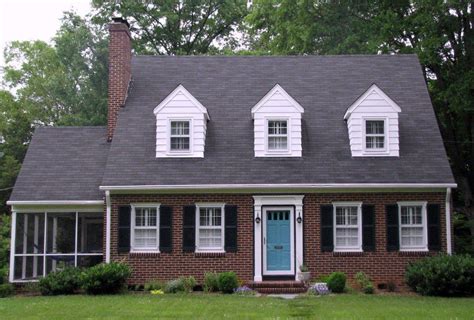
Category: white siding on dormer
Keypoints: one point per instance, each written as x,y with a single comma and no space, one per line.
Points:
181,105
374,104
277,105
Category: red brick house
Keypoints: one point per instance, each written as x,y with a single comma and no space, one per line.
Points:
252,164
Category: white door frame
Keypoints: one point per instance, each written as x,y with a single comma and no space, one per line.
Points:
292,241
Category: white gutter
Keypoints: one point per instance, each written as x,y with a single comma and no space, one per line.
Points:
56,202
281,186
449,248
107,226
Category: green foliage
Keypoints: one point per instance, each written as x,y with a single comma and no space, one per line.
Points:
321,278
364,282
211,282
337,282
228,282
182,284
442,275
6,290
65,281
304,268
154,285
105,278
173,28
5,225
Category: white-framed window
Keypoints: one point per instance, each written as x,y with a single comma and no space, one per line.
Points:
347,226
180,135
277,135
210,227
413,226
145,224
375,135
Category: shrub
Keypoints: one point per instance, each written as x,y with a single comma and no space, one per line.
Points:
364,282
175,286
321,278
211,282
442,275
337,282
228,282
154,285
189,283
6,290
105,278
64,281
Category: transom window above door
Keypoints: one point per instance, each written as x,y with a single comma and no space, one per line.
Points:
277,135
375,135
180,136
347,227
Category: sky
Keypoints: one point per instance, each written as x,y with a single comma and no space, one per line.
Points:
34,19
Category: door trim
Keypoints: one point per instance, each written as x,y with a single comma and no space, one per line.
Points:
292,241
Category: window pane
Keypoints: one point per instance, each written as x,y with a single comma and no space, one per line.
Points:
179,143
210,238
210,217
346,216
145,238
277,127
277,143
405,217
29,233
417,215
90,232
61,232
179,128
347,237
374,127
374,142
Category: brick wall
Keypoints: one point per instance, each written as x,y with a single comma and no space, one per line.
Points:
381,266
120,56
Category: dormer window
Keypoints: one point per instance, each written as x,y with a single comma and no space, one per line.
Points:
277,125
180,136
372,124
277,135
374,135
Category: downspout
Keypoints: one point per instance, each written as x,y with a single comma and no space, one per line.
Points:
12,247
448,221
107,226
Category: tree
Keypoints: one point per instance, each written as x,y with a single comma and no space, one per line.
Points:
440,32
175,27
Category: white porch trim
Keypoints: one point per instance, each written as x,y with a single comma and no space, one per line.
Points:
278,200
449,248
108,214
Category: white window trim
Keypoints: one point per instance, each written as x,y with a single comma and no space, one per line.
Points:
133,249
357,248
380,151
210,205
168,137
288,136
424,223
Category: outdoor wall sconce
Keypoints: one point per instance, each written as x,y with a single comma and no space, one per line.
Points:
299,219
257,219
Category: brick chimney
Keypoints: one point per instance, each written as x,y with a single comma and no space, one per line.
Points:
120,60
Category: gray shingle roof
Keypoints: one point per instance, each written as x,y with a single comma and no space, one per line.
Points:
230,86
63,163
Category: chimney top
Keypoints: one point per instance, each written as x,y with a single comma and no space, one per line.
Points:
121,20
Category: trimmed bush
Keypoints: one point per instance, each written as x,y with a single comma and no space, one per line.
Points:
442,275
64,281
105,278
189,283
211,282
154,285
228,282
337,282
175,286
6,290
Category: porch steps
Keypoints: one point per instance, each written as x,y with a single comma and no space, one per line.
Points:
278,287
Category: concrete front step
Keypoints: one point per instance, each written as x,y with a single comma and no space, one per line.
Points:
278,287
281,290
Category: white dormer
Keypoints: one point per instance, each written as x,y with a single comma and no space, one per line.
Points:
372,122
277,125
181,122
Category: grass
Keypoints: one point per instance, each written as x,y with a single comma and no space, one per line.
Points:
202,306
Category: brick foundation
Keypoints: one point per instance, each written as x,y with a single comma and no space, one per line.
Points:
381,266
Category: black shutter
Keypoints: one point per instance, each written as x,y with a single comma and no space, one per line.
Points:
434,228
327,240
368,228
189,228
124,214
230,228
393,240
166,222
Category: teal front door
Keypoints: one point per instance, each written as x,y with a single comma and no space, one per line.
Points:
278,244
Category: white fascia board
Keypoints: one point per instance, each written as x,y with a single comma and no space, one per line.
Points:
380,92
279,186
187,94
277,88
56,202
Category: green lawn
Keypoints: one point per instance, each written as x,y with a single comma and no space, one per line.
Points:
219,306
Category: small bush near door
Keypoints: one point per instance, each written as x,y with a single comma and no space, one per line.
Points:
64,281
6,290
211,282
337,282
228,282
105,278
364,282
442,275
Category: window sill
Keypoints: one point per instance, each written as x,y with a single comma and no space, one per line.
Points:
354,253
144,253
414,253
209,254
